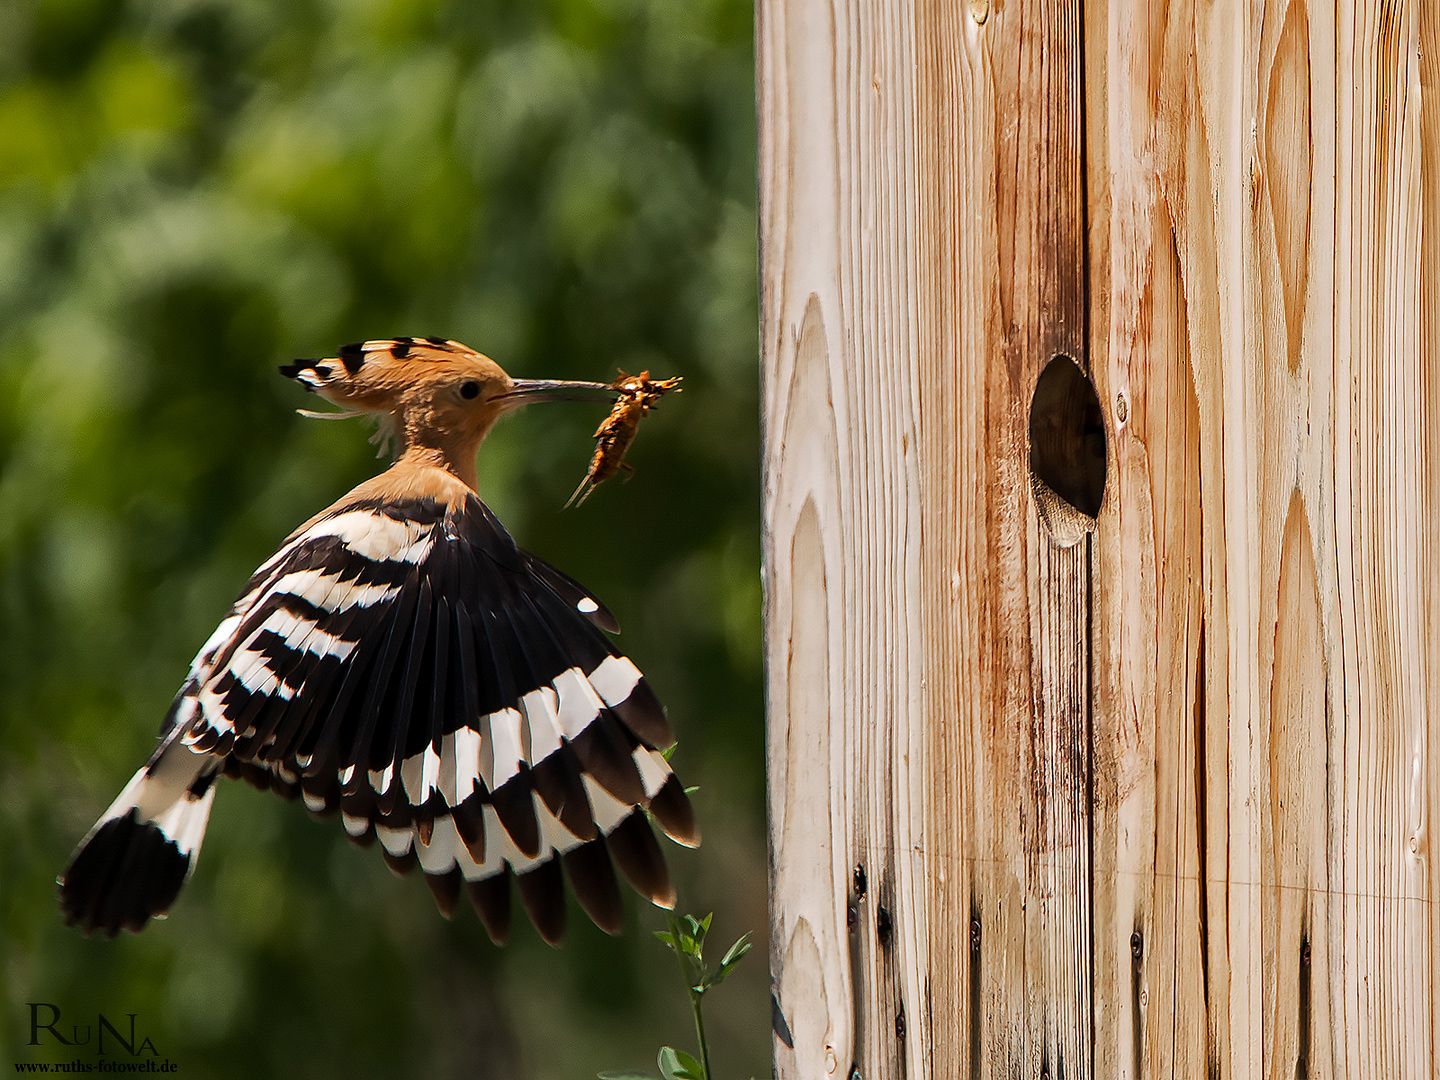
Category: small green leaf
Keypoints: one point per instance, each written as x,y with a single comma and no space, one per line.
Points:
698,928
668,752
734,956
739,949
678,1065
665,936
692,790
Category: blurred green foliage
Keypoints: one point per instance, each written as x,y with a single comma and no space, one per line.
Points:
192,191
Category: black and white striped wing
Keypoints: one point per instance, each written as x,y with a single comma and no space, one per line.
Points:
452,695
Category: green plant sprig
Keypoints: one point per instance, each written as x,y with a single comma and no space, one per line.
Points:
686,939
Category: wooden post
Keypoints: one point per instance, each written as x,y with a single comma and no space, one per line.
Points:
1146,792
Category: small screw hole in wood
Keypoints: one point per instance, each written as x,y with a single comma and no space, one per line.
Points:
1067,438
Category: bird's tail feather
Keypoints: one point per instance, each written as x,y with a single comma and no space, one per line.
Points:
133,863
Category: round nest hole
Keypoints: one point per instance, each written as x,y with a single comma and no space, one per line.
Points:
1067,437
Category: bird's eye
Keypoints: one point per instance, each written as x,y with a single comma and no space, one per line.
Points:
470,389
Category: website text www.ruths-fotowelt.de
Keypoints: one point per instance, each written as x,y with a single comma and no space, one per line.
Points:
106,1067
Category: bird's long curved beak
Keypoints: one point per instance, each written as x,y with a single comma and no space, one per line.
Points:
529,391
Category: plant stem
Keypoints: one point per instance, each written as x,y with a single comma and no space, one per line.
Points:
700,1033
691,978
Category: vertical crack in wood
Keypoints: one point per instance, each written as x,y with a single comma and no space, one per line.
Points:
1201,796
974,966
1081,173
1137,978
862,936
1090,941
1050,319
1302,1054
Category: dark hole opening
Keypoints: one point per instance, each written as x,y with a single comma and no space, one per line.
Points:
1067,436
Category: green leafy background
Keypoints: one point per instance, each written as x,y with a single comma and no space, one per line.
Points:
192,191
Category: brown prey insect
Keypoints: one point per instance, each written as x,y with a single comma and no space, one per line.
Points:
638,393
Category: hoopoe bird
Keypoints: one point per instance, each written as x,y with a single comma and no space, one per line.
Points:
401,660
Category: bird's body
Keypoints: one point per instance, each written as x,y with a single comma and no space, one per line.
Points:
402,661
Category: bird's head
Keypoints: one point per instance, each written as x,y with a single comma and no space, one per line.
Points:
428,392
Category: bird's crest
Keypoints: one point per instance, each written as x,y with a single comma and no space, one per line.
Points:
387,377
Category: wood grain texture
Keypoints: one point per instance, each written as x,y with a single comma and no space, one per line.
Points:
1153,800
